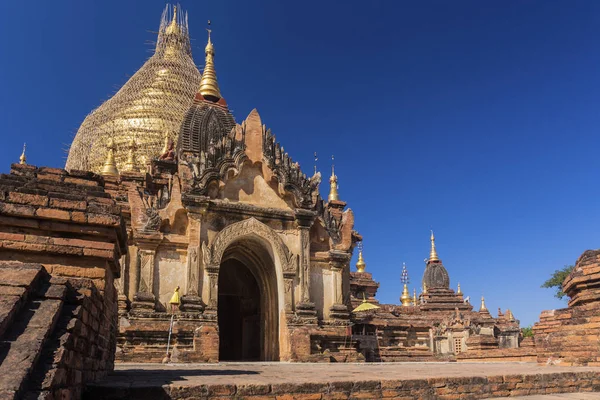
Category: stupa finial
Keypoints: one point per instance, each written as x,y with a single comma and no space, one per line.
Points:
333,183
433,254
209,88
23,158
483,308
360,264
173,26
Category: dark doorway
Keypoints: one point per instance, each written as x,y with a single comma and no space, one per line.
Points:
239,313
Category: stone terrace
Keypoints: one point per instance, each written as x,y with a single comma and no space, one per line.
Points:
341,381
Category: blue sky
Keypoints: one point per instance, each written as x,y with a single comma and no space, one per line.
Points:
477,119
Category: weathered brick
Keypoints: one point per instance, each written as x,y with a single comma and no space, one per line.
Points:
12,236
68,204
17,209
52,213
29,199
103,219
79,181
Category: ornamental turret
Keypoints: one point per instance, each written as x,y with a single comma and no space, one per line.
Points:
208,121
435,275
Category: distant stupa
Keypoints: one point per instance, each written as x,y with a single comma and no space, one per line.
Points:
148,109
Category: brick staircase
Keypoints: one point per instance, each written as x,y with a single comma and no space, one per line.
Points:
29,307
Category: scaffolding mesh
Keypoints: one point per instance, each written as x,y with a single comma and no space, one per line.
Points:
149,107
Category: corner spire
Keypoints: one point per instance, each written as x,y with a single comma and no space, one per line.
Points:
130,164
433,253
483,308
209,88
23,158
333,185
110,168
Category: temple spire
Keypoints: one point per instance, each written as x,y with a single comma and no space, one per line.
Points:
23,158
110,168
483,308
173,27
433,254
333,185
209,88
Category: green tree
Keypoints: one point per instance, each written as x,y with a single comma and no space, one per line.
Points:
557,279
527,331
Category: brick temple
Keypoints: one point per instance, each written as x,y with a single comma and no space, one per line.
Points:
165,195
261,259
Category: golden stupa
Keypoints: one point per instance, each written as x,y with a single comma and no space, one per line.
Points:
150,105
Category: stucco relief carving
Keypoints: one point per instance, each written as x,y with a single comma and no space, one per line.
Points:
289,287
193,271
250,226
146,271
205,255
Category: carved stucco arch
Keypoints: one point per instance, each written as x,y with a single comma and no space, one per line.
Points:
284,261
246,228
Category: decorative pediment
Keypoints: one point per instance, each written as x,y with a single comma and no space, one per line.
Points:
212,156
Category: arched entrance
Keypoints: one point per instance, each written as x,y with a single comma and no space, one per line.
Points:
248,303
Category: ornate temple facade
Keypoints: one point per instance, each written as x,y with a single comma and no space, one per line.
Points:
218,213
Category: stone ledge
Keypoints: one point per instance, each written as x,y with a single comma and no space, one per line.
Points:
232,381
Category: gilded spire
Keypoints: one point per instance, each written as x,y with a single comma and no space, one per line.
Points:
458,291
209,88
414,297
405,298
433,254
333,185
509,315
173,27
109,165
360,264
23,158
483,308
130,164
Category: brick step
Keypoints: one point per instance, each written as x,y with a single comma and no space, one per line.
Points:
23,342
17,284
44,373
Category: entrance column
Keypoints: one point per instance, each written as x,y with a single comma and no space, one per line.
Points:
144,297
338,261
212,275
304,220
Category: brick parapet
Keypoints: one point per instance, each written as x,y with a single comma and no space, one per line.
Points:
47,212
